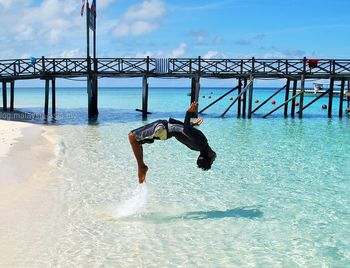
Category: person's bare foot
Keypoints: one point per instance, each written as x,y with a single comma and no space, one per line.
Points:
142,173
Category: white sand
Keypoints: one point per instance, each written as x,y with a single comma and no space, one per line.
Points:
26,197
10,132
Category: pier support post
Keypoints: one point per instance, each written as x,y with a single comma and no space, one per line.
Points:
144,97
239,101
341,99
295,85
53,85
92,97
250,100
244,99
286,97
12,96
47,92
4,96
302,90
347,95
330,99
95,96
195,88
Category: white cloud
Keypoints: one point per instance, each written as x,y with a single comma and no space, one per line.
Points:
139,19
6,3
179,51
102,4
142,27
211,54
148,9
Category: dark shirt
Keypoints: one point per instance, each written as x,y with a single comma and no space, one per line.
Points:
185,133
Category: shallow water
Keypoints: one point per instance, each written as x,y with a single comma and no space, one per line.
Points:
277,195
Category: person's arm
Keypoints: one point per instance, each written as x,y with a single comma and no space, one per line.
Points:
189,114
138,152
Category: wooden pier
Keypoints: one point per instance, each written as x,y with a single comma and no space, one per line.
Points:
243,71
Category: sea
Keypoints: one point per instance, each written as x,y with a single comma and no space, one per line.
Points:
277,194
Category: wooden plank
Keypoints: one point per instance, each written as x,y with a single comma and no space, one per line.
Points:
12,96
295,84
330,99
218,99
286,97
47,87
4,96
341,98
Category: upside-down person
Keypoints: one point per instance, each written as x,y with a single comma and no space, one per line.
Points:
184,132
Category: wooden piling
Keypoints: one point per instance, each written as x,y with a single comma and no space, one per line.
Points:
286,97
244,99
95,96
47,92
250,100
195,88
239,105
53,89
341,98
144,98
302,90
295,85
330,99
4,96
12,96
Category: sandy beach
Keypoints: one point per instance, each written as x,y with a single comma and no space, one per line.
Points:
25,201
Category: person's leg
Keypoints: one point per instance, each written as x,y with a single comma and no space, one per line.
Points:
138,152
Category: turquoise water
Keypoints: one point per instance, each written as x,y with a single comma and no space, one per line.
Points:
277,195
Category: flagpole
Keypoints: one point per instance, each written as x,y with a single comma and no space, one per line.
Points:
87,30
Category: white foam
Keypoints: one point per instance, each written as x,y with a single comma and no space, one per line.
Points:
133,204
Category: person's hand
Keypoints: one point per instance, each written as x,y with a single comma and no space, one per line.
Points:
197,121
193,108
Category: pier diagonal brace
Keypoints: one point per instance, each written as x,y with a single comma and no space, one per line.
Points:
284,103
316,99
238,96
269,98
211,104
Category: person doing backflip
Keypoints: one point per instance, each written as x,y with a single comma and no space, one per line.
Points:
185,132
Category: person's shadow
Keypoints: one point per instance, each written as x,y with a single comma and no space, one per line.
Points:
241,212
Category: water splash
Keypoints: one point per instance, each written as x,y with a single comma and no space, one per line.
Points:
134,204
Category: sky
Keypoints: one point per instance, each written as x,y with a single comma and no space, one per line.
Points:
178,28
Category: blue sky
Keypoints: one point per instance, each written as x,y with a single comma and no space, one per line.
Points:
159,28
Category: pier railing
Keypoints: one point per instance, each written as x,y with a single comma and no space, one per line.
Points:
173,67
